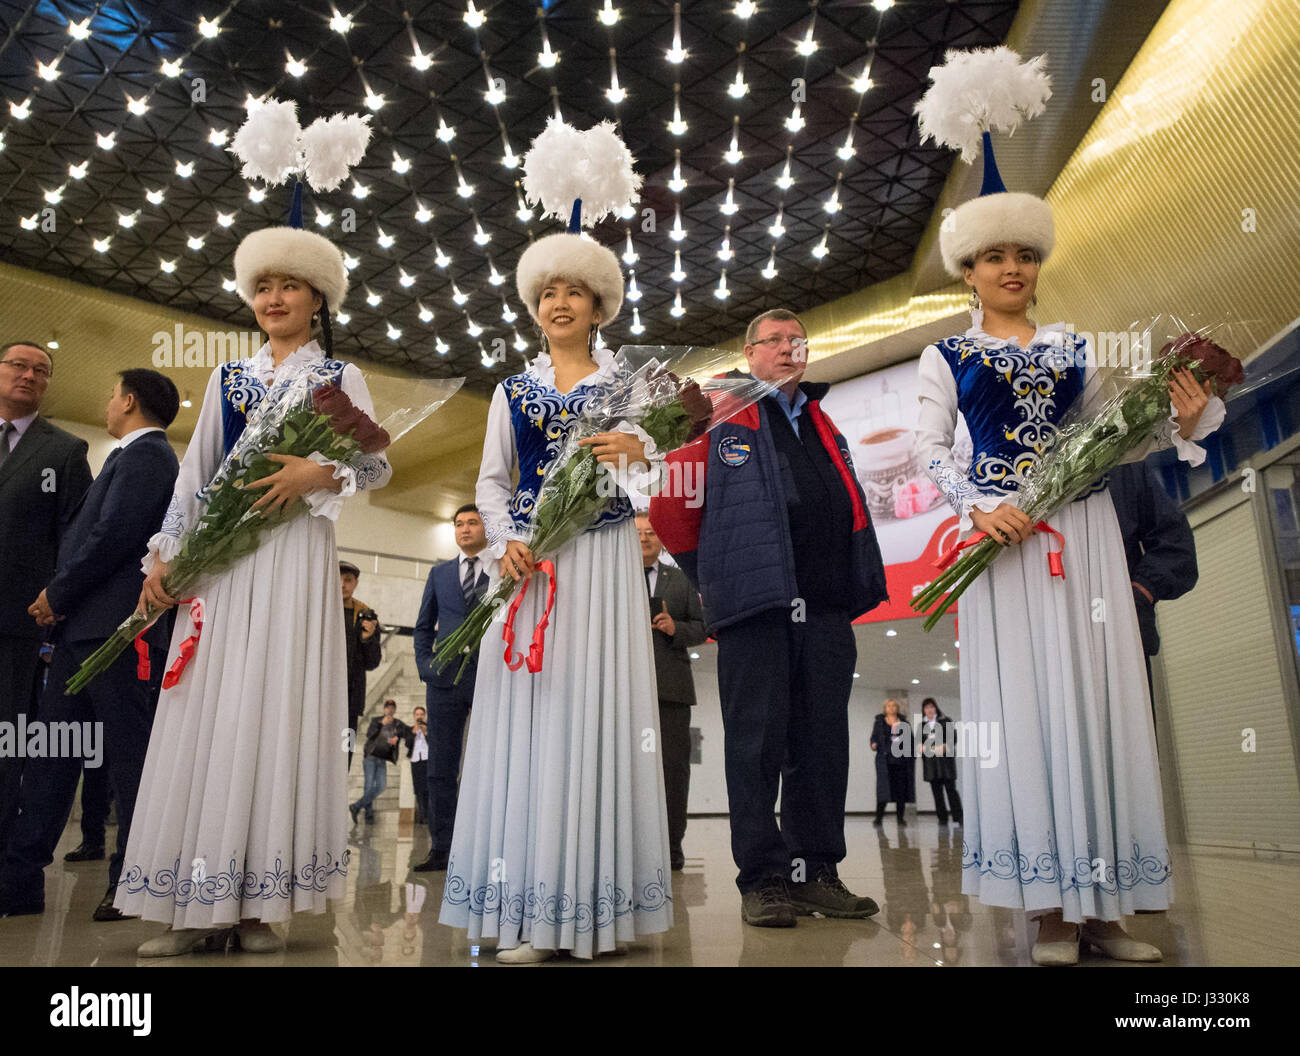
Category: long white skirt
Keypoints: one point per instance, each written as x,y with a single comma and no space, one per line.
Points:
1070,816
561,834
241,809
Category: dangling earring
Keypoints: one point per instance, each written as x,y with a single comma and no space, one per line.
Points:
315,319
974,300
1033,301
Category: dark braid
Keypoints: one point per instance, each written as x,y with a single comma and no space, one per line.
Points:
326,331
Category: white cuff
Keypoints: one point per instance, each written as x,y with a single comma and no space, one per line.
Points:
162,547
638,482
497,550
985,504
1211,418
325,503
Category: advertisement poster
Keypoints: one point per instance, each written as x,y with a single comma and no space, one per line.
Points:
877,414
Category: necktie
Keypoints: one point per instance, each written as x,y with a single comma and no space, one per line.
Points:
648,588
467,584
5,429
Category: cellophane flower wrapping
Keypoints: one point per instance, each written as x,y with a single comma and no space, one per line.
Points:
672,393
302,415
1121,409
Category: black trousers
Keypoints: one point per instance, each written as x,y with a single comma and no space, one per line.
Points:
122,705
20,671
96,798
785,689
420,783
448,709
897,788
947,786
675,748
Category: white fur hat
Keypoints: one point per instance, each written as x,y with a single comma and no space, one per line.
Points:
991,220
576,258
291,251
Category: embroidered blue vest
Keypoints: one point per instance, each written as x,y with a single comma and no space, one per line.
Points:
1012,399
542,419
242,390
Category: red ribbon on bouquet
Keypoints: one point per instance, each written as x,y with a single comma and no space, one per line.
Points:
538,645
1054,564
142,669
177,669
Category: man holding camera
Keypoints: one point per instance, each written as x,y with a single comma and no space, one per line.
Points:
361,635
384,738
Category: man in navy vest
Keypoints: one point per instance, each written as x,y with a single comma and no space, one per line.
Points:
96,585
453,589
785,558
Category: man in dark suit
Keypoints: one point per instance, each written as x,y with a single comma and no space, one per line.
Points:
361,643
1158,545
43,475
454,587
96,586
678,623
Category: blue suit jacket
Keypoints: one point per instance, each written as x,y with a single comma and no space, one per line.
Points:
442,610
97,580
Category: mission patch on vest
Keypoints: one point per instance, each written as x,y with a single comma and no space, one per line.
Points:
732,451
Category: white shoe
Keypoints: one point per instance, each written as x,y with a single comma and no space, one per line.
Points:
255,939
175,941
1063,951
1122,947
524,953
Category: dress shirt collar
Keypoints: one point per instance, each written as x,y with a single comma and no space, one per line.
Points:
544,371
21,425
264,364
135,434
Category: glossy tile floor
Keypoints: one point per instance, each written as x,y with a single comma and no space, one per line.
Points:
1227,912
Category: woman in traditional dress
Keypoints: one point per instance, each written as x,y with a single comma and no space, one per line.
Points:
561,837
240,819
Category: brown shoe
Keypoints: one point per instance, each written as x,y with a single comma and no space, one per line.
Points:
827,895
768,907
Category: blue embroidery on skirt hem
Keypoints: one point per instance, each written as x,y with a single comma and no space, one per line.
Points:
210,888
1010,864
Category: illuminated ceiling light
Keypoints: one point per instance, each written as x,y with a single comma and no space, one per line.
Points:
30,223
101,244
807,46
523,212
167,265
846,152
745,8
820,250
55,196
464,189
426,314
510,159
629,254
229,285
323,219
171,67
218,136
520,344
729,207
677,232
508,314
441,345
785,181
423,214
48,71
139,107
405,280
677,126
256,194
155,197
107,142
79,30
126,219
294,67
769,272
340,23
677,274
359,189
724,251
625,211
384,239
473,16
615,93
495,94
440,258
862,83
472,328
349,261
677,311
546,58
481,237
458,295
225,219
916,681
795,121
608,14
445,131
882,5
633,290
78,172
374,101
373,299
185,169
676,54
721,292
734,154
945,666
400,164
777,229
636,327
495,277
420,60
484,359
250,100
21,111
342,318
738,88
677,184
209,27
195,242
393,332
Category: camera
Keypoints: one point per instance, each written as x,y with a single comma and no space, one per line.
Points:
368,614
